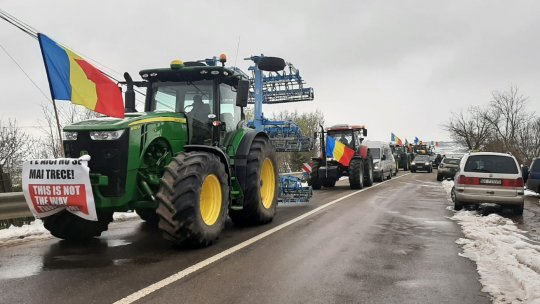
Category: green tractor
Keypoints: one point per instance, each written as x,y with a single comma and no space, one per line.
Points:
185,164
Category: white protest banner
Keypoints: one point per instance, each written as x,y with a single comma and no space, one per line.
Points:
52,185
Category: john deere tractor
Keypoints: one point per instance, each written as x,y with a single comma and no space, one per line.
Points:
184,164
327,169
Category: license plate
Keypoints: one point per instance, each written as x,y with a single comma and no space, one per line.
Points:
490,181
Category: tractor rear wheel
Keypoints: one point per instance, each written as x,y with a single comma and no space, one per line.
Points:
68,226
193,199
262,184
356,173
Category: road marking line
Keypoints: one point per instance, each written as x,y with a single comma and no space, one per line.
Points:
193,268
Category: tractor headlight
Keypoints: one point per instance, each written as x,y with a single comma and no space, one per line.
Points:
70,135
106,135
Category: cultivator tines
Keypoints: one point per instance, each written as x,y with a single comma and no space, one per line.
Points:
283,86
291,190
292,144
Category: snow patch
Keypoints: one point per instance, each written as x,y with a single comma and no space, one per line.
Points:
508,262
447,185
531,193
14,235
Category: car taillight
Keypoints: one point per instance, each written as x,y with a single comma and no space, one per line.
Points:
513,183
468,180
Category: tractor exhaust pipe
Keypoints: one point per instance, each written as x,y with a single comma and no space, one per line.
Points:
129,95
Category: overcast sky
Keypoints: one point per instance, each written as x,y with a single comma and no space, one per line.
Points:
394,66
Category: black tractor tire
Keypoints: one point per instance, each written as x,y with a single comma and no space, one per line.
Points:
329,183
271,64
368,172
148,215
356,173
314,180
184,195
439,177
258,210
70,227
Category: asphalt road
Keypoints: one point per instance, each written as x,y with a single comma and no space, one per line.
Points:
392,243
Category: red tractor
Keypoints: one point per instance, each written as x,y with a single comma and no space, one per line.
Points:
342,154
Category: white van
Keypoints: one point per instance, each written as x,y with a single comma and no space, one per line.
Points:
384,165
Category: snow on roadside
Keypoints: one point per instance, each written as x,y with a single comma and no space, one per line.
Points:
507,261
531,193
36,231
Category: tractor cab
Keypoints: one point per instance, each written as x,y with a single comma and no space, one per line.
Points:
210,97
351,136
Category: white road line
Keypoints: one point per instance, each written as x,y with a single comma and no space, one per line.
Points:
183,273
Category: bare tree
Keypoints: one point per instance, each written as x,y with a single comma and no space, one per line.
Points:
15,147
469,129
507,117
51,146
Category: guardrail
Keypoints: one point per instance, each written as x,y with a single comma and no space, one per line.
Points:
13,205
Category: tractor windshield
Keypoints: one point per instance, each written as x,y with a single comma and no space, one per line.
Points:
193,98
344,137
183,97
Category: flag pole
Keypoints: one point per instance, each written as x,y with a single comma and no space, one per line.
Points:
58,128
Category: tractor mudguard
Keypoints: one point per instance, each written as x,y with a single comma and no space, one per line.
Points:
214,150
242,154
364,152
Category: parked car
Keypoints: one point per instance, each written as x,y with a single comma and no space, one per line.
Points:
447,168
489,177
421,162
533,179
384,164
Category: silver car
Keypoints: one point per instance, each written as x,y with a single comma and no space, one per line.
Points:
489,177
447,168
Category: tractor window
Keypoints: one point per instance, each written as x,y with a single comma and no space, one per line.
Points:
180,96
230,113
345,138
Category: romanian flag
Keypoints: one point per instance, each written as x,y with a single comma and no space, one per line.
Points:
72,78
339,151
395,139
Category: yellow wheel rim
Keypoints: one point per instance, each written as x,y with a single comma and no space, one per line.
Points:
210,201
268,183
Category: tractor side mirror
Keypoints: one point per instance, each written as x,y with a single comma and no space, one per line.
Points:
242,93
364,132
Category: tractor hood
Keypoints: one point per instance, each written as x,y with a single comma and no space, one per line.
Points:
131,119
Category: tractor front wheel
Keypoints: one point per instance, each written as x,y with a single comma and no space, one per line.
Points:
260,195
356,173
193,199
70,227
314,180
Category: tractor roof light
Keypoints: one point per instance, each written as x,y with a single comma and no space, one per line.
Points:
222,58
177,64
